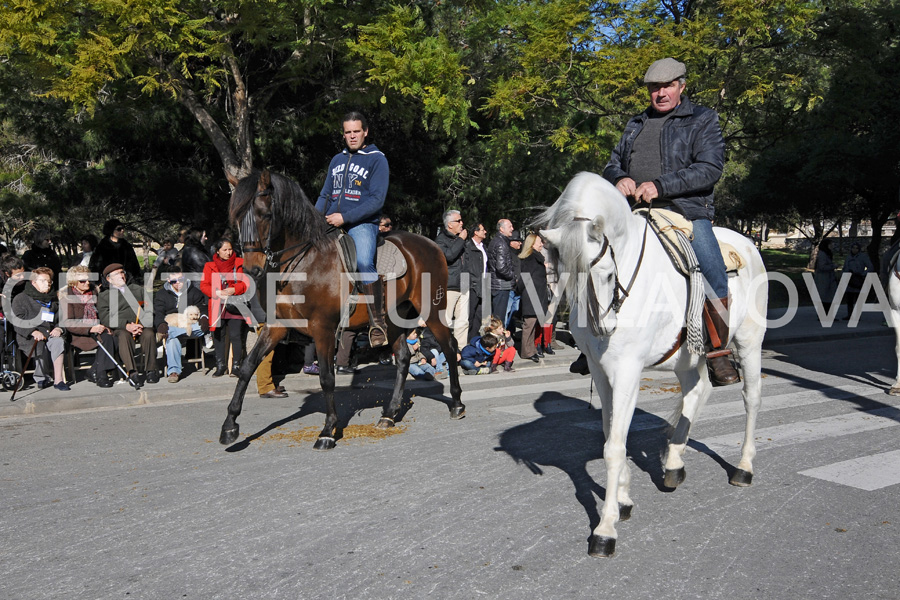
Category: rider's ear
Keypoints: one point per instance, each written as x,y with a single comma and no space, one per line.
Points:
597,227
551,236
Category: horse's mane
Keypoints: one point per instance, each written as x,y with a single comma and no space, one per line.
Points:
291,208
586,196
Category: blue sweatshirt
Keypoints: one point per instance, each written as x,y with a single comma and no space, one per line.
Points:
476,352
355,186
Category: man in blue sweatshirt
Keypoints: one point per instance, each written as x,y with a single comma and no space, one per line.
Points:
353,195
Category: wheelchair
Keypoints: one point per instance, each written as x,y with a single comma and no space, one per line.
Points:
11,376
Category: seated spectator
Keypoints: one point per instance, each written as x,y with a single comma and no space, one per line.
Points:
116,309
38,332
506,350
88,244
42,255
419,366
166,257
12,276
78,303
433,352
478,354
177,294
114,248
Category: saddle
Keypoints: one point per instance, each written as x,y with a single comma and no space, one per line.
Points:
389,261
667,224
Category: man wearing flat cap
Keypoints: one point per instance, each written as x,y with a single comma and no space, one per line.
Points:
672,155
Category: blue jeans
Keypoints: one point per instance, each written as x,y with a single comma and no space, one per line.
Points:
418,371
706,247
440,360
511,307
173,347
365,236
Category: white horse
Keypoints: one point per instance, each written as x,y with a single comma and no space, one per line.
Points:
893,286
631,318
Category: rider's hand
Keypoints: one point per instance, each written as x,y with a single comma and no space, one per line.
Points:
646,192
626,185
335,219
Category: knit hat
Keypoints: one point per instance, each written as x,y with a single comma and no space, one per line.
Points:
110,268
664,71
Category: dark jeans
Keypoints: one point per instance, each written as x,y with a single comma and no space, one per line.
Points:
228,334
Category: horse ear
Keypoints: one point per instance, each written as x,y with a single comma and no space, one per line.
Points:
597,227
232,178
552,236
265,180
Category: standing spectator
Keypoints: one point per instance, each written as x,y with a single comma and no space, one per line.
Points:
42,255
535,298
37,329
858,265
89,242
12,274
194,255
515,245
826,282
452,242
477,261
119,308
114,248
78,303
177,294
501,268
223,279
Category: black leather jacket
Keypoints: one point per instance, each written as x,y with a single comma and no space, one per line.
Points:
193,259
500,264
693,156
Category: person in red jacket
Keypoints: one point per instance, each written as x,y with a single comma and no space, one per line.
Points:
224,282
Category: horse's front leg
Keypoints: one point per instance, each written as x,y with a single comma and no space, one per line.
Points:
895,318
325,349
266,342
624,396
402,355
604,391
695,390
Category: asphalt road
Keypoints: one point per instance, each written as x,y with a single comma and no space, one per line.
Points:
143,502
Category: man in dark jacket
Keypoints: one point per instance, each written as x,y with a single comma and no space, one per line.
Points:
476,261
177,295
672,155
501,267
452,242
114,248
42,255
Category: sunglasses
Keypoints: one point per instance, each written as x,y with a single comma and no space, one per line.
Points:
386,225
456,221
176,280
120,229
82,281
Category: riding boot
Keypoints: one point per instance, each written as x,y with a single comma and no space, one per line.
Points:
547,338
221,367
377,326
235,367
721,371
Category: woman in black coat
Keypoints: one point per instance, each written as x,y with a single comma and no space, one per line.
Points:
532,284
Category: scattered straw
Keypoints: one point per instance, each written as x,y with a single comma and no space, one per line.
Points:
358,433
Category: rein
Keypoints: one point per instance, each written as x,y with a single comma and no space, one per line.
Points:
617,301
272,256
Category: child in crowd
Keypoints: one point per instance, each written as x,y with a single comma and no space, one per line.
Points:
419,366
477,356
432,351
505,353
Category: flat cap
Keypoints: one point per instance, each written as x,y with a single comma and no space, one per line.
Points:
112,267
664,71
516,236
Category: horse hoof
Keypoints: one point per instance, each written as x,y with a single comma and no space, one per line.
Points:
894,391
458,412
324,443
625,511
673,479
603,547
385,423
229,435
741,478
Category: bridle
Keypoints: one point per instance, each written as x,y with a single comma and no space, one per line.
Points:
274,259
617,300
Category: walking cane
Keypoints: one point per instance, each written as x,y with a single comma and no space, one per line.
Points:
25,368
133,383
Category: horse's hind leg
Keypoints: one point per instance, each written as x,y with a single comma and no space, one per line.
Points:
266,342
751,365
695,390
402,355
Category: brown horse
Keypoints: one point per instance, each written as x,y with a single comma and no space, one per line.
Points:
282,234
